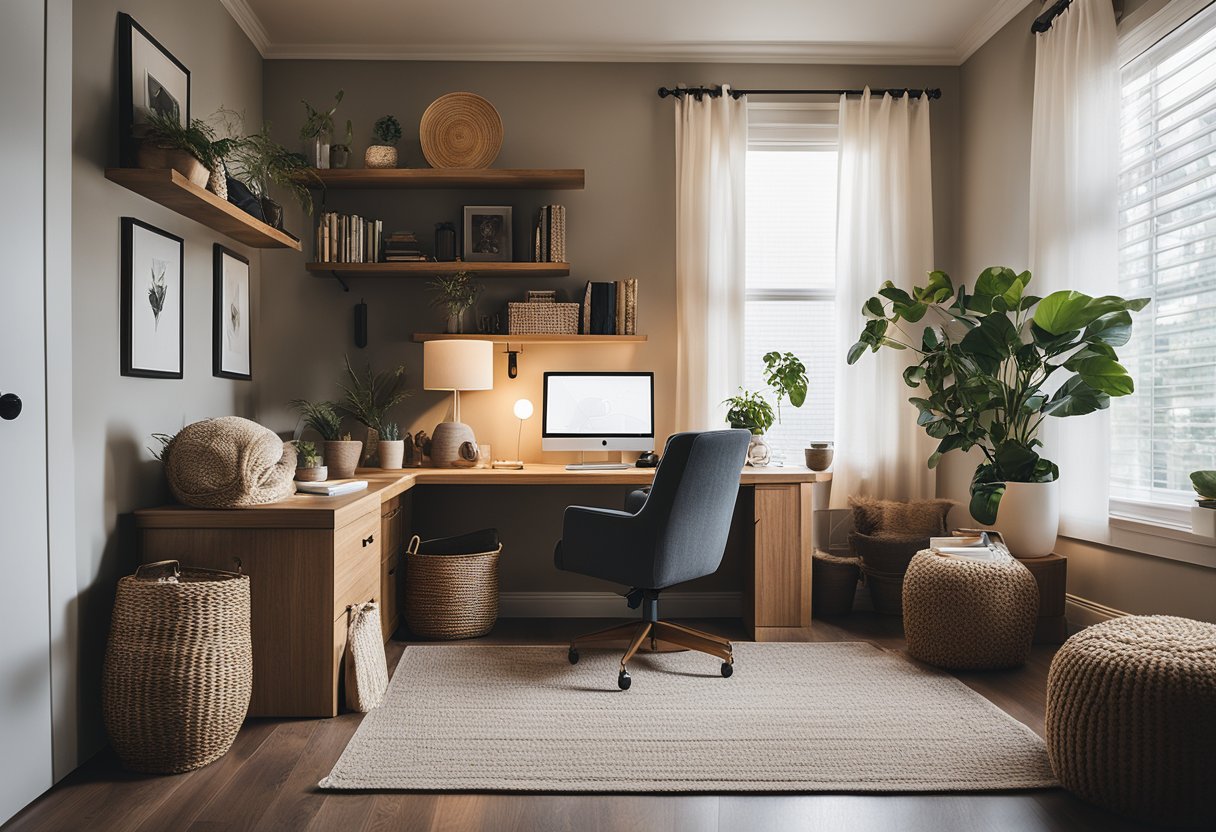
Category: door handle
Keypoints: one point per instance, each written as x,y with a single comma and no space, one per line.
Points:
10,406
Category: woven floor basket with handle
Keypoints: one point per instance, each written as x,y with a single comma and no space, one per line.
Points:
178,667
451,596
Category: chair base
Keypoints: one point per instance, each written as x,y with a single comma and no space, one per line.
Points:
639,632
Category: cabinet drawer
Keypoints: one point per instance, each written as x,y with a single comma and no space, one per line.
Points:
390,583
391,525
356,561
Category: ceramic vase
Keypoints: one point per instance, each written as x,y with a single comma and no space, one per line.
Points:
342,457
759,453
818,456
391,453
1028,518
380,156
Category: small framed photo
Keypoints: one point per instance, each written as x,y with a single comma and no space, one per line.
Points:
150,80
231,344
487,233
152,310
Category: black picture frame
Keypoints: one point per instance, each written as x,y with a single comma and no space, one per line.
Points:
128,139
219,320
499,235
133,357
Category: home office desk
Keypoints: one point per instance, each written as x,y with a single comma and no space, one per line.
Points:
308,558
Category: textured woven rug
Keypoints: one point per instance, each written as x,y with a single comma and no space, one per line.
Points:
843,717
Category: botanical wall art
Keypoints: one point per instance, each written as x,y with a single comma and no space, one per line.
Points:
150,80
231,329
152,312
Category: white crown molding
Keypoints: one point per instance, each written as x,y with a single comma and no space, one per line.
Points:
983,29
250,24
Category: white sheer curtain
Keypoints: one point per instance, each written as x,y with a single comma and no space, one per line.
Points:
885,232
711,152
1073,218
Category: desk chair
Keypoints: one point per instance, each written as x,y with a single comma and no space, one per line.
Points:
674,533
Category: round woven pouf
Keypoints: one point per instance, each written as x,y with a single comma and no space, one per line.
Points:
969,614
460,130
1131,718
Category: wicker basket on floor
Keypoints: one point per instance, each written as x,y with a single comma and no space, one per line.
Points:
450,596
833,584
884,560
178,667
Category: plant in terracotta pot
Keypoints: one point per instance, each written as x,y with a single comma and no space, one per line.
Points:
391,447
310,466
1203,514
994,364
752,412
455,295
383,154
369,396
187,149
341,452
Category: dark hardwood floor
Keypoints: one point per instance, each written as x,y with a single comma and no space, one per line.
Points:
268,780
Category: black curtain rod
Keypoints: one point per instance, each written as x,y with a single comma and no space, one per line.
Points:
1043,22
716,92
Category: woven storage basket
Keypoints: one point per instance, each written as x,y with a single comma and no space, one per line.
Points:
542,318
884,560
450,596
178,668
833,584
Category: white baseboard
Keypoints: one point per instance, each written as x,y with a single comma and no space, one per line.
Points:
611,605
1082,612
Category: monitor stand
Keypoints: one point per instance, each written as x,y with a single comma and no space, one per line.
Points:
597,466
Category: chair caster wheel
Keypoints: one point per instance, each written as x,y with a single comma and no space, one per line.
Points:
623,680
572,655
728,670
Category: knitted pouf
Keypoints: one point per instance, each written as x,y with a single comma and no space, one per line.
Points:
969,614
228,463
1131,718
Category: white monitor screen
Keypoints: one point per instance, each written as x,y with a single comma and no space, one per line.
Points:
599,404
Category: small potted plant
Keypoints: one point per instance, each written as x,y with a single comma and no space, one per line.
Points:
339,154
341,452
368,398
309,467
1203,515
455,295
391,448
166,143
751,411
260,162
383,154
317,131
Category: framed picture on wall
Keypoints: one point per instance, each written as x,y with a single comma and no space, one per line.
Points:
152,309
487,233
150,80
231,341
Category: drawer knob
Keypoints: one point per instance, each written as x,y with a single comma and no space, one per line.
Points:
369,540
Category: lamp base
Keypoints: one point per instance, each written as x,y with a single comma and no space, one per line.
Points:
446,442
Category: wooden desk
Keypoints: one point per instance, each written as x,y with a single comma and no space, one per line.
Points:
309,558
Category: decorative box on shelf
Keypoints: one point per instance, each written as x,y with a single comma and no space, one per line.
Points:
544,318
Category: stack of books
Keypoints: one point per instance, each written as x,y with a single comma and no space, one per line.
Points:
611,308
549,238
347,238
402,247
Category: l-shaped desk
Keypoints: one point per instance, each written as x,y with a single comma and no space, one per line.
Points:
309,558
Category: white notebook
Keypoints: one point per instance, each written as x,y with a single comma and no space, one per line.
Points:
331,488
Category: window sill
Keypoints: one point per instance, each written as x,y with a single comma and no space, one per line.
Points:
1155,539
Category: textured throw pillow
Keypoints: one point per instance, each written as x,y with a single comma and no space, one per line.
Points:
893,518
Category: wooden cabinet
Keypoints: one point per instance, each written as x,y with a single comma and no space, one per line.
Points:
394,515
781,560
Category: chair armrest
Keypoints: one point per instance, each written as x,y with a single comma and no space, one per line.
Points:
605,543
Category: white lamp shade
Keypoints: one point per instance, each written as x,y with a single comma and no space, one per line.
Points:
458,365
523,409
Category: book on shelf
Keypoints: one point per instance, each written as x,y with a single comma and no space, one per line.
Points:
610,308
549,235
347,238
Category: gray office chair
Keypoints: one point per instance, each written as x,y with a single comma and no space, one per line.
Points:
673,533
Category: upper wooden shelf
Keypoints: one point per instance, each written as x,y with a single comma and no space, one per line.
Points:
570,179
429,269
503,338
176,192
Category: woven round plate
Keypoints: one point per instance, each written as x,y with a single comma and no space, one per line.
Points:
460,130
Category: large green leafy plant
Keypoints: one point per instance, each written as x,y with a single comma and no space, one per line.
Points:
997,362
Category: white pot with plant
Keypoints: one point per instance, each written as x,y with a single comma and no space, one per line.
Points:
383,154
1203,514
455,295
992,365
752,412
309,465
317,132
341,452
368,397
391,447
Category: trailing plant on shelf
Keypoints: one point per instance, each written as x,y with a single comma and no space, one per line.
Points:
368,397
749,411
383,154
455,295
786,375
996,362
259,161
321,417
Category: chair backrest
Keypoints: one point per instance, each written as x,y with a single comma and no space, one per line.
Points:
692,502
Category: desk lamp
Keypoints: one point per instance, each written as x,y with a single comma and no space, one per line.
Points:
523,410
456,366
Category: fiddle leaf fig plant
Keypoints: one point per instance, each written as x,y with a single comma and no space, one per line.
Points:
785,373
994,363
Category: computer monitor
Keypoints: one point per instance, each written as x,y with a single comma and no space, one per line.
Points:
598,412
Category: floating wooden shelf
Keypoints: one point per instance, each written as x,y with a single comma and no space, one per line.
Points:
571,179
500,338
176,192
432,269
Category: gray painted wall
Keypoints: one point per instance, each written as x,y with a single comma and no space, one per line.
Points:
114,416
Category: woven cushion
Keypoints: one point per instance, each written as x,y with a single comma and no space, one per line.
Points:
962,613
228,463
1131,718
885,518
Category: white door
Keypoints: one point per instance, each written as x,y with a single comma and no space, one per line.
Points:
25,643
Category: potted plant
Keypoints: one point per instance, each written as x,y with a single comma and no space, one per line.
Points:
1203,515
455,295
260,162
391,448
383,154
166,143
317,131
341,452
309,467
995,363
369,397
339,154
751,411
785,374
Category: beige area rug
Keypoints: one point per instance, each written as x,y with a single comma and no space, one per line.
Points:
843,717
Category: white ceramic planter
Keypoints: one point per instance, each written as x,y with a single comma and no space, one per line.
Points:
1203,521
1028,517
391,453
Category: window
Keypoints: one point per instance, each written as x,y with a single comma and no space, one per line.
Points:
1167,252
791,261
